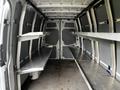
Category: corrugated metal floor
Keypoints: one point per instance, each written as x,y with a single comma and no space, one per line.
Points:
59,75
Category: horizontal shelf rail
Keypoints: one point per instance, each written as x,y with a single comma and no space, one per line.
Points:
100,36
30,36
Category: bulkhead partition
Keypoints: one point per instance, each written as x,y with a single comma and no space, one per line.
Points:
61,35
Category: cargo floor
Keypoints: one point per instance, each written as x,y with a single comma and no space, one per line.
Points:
59,75
99,78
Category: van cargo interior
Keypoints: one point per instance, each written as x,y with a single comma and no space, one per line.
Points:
60,44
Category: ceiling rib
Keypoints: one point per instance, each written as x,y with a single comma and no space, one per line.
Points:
61,11
60,17
55,15
61,6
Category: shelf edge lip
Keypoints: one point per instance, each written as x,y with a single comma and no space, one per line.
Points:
29,71
100,36
29,37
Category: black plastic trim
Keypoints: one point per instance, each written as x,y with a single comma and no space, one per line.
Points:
2,63
31,3
90,5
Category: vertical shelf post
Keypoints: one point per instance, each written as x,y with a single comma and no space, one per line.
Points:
111,29
95,30
31,41
19,44
91,30
81,39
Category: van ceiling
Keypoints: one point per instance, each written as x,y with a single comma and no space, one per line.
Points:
61,8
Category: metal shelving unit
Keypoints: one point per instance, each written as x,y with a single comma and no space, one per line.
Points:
38,62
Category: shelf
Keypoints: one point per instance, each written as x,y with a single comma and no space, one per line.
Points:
37,63
30,36
100,36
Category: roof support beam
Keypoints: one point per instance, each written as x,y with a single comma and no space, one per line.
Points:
65,11
60,15
61,6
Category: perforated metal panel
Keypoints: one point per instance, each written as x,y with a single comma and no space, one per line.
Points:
52,36
68,37
52,33
68,30
101,13
51,24
69,24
